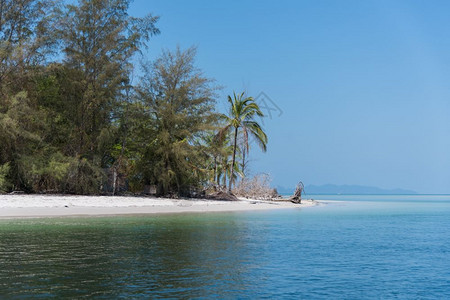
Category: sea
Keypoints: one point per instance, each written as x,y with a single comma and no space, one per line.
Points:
348,247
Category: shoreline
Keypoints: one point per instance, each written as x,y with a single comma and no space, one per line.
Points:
48,206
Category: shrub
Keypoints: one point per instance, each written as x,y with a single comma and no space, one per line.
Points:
4,184
257,187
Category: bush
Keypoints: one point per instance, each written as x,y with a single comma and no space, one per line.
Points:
257,187
58,173
4,184
84,178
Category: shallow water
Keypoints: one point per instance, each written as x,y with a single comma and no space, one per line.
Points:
393,247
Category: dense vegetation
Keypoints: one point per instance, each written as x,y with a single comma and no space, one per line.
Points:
72,120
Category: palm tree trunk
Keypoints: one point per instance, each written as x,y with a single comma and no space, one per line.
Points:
243,162
234,158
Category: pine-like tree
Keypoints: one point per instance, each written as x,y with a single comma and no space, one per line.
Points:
179,105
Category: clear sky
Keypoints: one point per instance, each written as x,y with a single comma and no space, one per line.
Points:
363,86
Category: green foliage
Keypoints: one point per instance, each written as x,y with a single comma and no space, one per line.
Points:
4,184
21,132
45,173
178,103
84,177
25,27
109,38
74,123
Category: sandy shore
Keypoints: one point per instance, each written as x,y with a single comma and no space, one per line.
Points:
32,206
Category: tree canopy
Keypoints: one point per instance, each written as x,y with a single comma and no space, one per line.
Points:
73,120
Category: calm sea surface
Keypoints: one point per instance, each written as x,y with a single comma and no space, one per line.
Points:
376,247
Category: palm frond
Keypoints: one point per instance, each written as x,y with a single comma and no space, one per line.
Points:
258,133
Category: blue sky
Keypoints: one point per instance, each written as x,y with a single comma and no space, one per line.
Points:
364,86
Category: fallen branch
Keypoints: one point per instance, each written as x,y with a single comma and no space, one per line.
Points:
297,197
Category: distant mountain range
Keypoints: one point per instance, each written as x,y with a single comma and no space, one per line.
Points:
332,189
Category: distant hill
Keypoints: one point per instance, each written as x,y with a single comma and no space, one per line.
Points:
332,189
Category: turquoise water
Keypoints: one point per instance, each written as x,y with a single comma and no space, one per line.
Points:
376,247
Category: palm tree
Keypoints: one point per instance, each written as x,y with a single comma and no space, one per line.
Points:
241,118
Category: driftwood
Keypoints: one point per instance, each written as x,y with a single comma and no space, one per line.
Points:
297,198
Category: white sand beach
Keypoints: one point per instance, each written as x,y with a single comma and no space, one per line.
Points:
33,206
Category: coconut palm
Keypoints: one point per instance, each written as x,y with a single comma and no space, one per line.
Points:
219,152
241,119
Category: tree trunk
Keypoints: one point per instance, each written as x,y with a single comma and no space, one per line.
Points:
243,162
114,180
224,172
234,158
215,177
